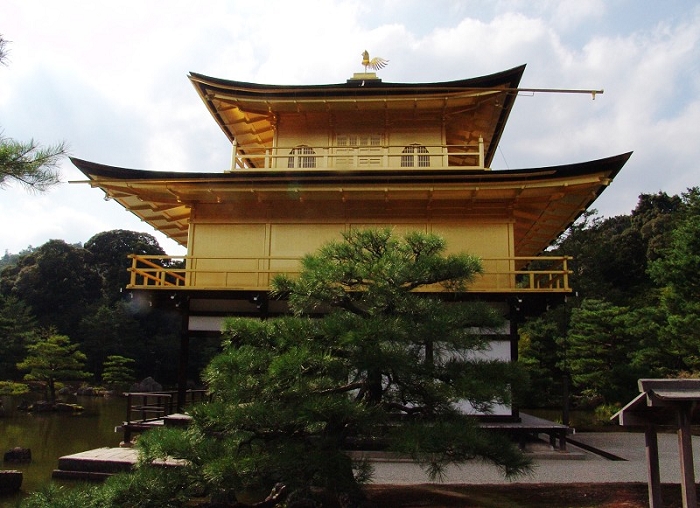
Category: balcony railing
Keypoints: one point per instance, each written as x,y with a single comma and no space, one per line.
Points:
539,274
310,157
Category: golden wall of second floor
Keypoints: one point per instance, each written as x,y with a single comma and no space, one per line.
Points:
360,140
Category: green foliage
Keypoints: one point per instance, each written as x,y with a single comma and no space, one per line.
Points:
655,217
11,388
679,267
372,272
77,291
118,373
8,259
281,392
146,487
643,270
541,351
16,329
466,442
54,496
678,271
379,362
110,330
52,359
110,251
609,257
129,328
29,164
599,348
603,413
57,281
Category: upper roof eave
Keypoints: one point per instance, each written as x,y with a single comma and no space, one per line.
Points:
509,78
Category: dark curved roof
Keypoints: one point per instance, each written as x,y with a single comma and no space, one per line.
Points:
352,87
610,165
541,202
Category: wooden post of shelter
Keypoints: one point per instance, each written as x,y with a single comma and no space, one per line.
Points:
653,472
670,403
685,448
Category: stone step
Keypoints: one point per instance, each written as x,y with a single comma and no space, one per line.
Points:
100,463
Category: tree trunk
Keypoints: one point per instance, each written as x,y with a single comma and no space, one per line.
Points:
51,384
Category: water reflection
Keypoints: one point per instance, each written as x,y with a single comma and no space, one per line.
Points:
52,435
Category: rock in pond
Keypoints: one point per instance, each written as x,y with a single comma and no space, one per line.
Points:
10,481
147,385
18,454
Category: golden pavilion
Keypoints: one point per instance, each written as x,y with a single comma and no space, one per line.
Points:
309,162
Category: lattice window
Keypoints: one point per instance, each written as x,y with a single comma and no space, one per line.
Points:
413,156
302,156
358,150
358,140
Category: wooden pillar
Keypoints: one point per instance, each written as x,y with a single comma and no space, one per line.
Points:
514,335
653,472
565,415
184,308
562,440
685,449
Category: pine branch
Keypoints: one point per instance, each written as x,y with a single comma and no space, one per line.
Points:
341,389
3,50
33,166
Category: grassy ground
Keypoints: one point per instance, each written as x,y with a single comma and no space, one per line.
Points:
607,495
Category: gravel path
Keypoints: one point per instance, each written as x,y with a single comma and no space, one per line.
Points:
554,467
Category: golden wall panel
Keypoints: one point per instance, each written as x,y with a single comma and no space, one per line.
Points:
248,255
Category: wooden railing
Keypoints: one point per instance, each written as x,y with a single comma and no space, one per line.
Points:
500,275
310,157
144,409
147,406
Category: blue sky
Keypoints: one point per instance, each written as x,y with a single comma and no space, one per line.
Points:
111,81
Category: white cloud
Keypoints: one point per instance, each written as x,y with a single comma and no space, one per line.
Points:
569,14
112,82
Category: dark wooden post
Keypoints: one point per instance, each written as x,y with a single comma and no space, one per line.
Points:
653,473
565,399
514,316
184,308
685,449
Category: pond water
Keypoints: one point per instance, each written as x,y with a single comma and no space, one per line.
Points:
52,435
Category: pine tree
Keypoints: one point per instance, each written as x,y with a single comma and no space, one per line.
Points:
677,270
600,346
118,372
52,359
367,358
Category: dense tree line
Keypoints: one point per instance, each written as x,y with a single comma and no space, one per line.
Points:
636,310
78,292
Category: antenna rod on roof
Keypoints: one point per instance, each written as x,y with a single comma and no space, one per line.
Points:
593,93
